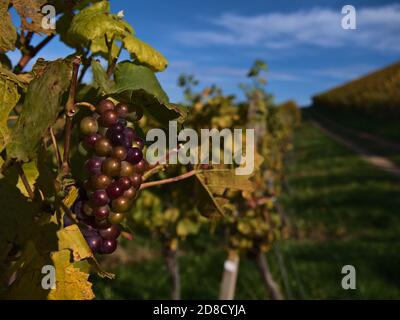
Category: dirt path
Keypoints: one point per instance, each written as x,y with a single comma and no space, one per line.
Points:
376,160
363,135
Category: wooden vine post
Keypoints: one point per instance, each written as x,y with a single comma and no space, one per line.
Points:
229,278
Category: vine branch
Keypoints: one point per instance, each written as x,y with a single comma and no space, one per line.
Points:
56,149
25,180
70,112
169,180
30,52
159,166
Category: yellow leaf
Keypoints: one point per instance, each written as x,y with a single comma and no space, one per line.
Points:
144,53
71,238
71,283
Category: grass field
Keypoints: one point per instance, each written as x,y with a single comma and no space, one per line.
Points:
342,211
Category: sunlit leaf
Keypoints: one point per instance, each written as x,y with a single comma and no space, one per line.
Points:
95,22
41,107
144,53
8,33
71,282
31,15
9,96
137,85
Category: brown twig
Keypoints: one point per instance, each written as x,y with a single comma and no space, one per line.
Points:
169,180
157,168
85,104
110,60
70,112
160,166
31,52
25,180
56,149
12,118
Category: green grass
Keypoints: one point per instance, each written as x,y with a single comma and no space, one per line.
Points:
346,212
349,124
342,210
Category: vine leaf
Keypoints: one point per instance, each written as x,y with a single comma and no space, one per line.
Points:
71,238
71,282
31,15
96,22
186,227
138,85
99,46
9,96
31,173
41,106
100,77
144,53
8,33
212,184
17,213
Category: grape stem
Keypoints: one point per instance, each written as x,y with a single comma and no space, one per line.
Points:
169,180
25,181
159,166
70,112
85,104
56,149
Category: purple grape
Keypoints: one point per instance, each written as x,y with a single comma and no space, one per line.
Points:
110,233
118,127
102,212
99,198
95,243
93,165
115,190
134,155
122,110
108,246
129,134
88,231
125,183
91,140
89,222
139,142
117,138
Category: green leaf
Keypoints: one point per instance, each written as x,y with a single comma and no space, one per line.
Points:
8,33
138,85
96,22
9,96
144,53
99,47
17,214
40,110
62,28
100,77
186,227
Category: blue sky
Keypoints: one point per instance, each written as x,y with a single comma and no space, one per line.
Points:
302,41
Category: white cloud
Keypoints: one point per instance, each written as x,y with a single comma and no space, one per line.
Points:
377,28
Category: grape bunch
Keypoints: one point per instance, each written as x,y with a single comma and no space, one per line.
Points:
115,169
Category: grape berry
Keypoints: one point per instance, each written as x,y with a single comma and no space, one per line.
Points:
115,169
